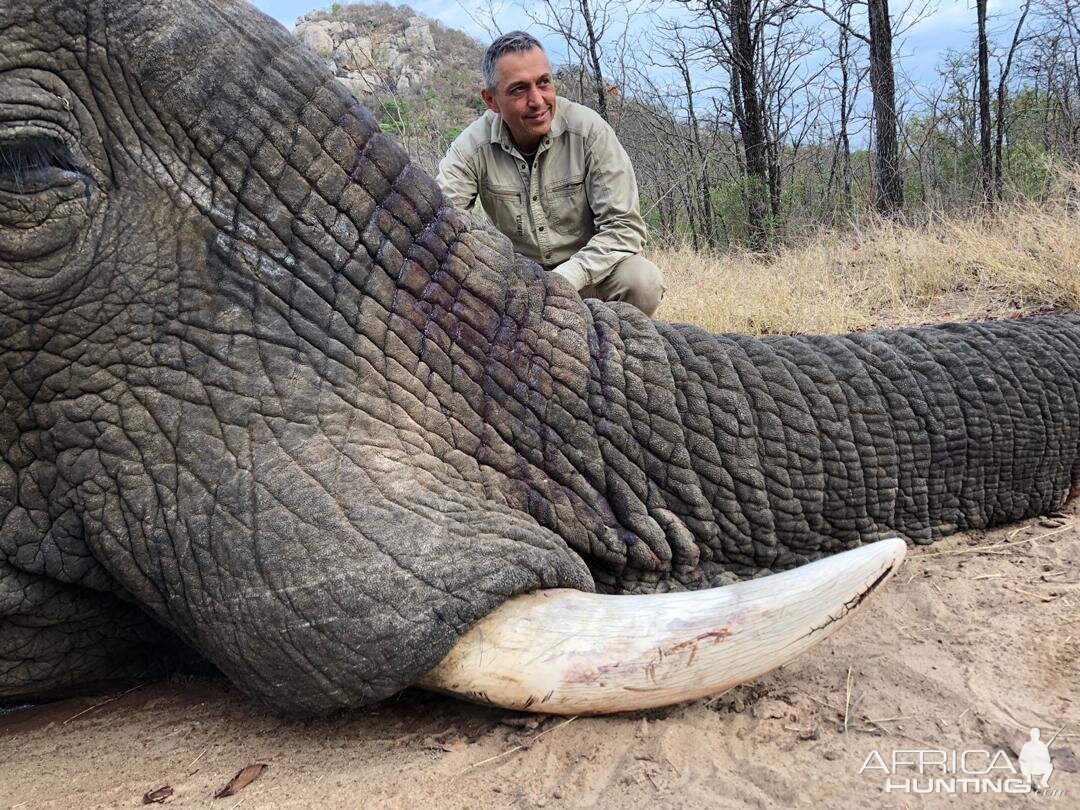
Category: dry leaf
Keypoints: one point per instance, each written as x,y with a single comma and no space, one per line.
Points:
157,796
242,780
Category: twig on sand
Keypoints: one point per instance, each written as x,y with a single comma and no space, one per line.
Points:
825,703
103,703
517,747
982,549
847,700
973,550
1032,594
888,719
1017,531
1058,530
849,705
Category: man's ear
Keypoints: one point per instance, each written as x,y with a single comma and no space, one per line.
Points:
489,99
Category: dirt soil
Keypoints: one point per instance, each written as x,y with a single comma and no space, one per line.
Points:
976,640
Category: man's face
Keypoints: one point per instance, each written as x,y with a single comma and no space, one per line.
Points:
524,95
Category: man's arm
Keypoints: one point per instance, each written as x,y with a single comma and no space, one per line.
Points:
457,178
613,198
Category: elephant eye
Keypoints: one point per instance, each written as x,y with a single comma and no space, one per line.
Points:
37,163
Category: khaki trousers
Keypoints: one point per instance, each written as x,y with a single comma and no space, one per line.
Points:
635,280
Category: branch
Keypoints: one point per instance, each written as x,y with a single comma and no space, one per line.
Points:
839,22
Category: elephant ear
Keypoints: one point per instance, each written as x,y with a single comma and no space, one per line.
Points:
325,601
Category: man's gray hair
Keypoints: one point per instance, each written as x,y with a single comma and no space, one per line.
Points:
514,42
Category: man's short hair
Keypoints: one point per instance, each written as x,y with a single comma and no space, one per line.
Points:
514,42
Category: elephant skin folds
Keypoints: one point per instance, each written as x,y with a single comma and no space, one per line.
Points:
267,398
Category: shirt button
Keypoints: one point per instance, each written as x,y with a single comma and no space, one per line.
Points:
535,198
541,229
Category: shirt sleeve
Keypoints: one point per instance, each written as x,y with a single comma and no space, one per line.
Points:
613,198
457,178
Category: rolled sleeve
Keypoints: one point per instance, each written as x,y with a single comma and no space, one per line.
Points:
573,272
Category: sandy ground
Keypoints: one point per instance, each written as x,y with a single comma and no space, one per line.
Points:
976,640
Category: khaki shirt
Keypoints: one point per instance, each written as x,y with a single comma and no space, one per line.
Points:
575,210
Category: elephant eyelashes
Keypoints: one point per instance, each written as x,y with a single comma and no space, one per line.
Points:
35,164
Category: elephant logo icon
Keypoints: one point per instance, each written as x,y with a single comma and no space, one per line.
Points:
1035,758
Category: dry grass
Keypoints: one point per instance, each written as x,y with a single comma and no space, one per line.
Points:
1024,259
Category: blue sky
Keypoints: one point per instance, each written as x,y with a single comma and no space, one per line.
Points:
950,24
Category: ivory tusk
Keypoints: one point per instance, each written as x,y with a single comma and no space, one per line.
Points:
568,652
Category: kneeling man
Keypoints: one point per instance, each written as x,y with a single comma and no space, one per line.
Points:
553,177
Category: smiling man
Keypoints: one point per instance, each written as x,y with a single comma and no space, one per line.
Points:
553,177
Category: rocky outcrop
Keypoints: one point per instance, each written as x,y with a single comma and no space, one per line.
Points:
419,78
393,58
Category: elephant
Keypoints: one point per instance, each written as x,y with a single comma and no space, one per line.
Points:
270,403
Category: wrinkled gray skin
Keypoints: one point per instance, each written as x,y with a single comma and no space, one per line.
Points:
265,397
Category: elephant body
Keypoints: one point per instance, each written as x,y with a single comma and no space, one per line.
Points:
268,399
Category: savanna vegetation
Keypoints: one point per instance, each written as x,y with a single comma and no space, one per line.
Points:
796,177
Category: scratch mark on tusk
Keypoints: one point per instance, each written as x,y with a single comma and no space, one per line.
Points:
852,603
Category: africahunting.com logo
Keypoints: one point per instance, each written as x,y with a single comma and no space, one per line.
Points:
976,770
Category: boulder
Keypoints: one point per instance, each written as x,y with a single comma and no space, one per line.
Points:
363,83
389,57
317,36
354,54
418,36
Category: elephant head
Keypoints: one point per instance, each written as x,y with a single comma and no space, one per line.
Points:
267,397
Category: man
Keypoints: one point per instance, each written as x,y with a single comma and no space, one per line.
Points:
552,176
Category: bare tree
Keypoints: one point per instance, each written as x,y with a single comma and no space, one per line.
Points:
1003,79
844,65
759,48
589,28
888,181
986,170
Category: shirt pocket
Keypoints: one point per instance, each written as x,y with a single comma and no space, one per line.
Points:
505,207
567,205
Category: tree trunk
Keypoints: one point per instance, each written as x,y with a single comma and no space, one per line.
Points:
751,126
594,60
888,183
985,156
1002,90
845,142
701,157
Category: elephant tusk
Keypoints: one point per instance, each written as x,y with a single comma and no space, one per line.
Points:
569,652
